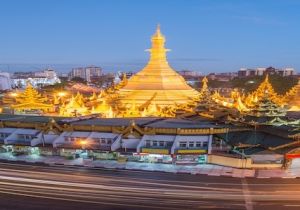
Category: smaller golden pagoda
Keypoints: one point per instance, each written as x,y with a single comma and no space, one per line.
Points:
264,88
30,99
104,109
75,107
293,98
204,90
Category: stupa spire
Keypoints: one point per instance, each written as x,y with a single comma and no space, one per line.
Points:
158,50
158,33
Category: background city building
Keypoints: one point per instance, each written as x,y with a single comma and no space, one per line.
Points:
5,81
245,72
38,78
86,73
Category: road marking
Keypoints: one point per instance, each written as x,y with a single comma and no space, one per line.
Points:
247,195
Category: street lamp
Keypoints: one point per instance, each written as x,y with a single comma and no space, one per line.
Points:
83,143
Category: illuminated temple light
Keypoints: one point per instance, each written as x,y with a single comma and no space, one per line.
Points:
61,94
14,94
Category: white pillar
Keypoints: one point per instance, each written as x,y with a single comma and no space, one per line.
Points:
209,144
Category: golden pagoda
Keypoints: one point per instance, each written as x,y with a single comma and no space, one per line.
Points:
293,97
30,99
104,109
157,81
75,107
204,90
265,88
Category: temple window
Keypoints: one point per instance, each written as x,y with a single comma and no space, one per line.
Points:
4,135
169,144
148,143
191,144
25,136
182,144
155,143
161,143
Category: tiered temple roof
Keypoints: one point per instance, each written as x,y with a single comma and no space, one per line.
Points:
31,99
264,88
294,98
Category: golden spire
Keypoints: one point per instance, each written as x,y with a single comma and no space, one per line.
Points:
158,50
267,79
204,83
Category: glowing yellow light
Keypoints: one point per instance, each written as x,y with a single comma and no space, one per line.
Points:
14,94
83,142
62,94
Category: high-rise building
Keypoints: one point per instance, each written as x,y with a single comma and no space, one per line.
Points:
86,73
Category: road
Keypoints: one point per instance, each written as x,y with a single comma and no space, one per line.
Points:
25,186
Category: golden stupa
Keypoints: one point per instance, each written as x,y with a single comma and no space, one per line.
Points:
157,83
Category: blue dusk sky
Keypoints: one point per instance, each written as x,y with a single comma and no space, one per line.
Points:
203,35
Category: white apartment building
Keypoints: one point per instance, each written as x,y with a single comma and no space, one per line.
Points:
39,78
86,73
5,81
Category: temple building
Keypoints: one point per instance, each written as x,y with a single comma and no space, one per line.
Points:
31,100
189,140
157,83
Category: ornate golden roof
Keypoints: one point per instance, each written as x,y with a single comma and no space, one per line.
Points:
294,99
31,99
157,79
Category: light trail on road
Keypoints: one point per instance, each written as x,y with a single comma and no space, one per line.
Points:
144,190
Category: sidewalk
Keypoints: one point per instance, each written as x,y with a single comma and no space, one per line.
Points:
207,169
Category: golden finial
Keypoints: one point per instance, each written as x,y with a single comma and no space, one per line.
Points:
158,32
267,78
158,28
